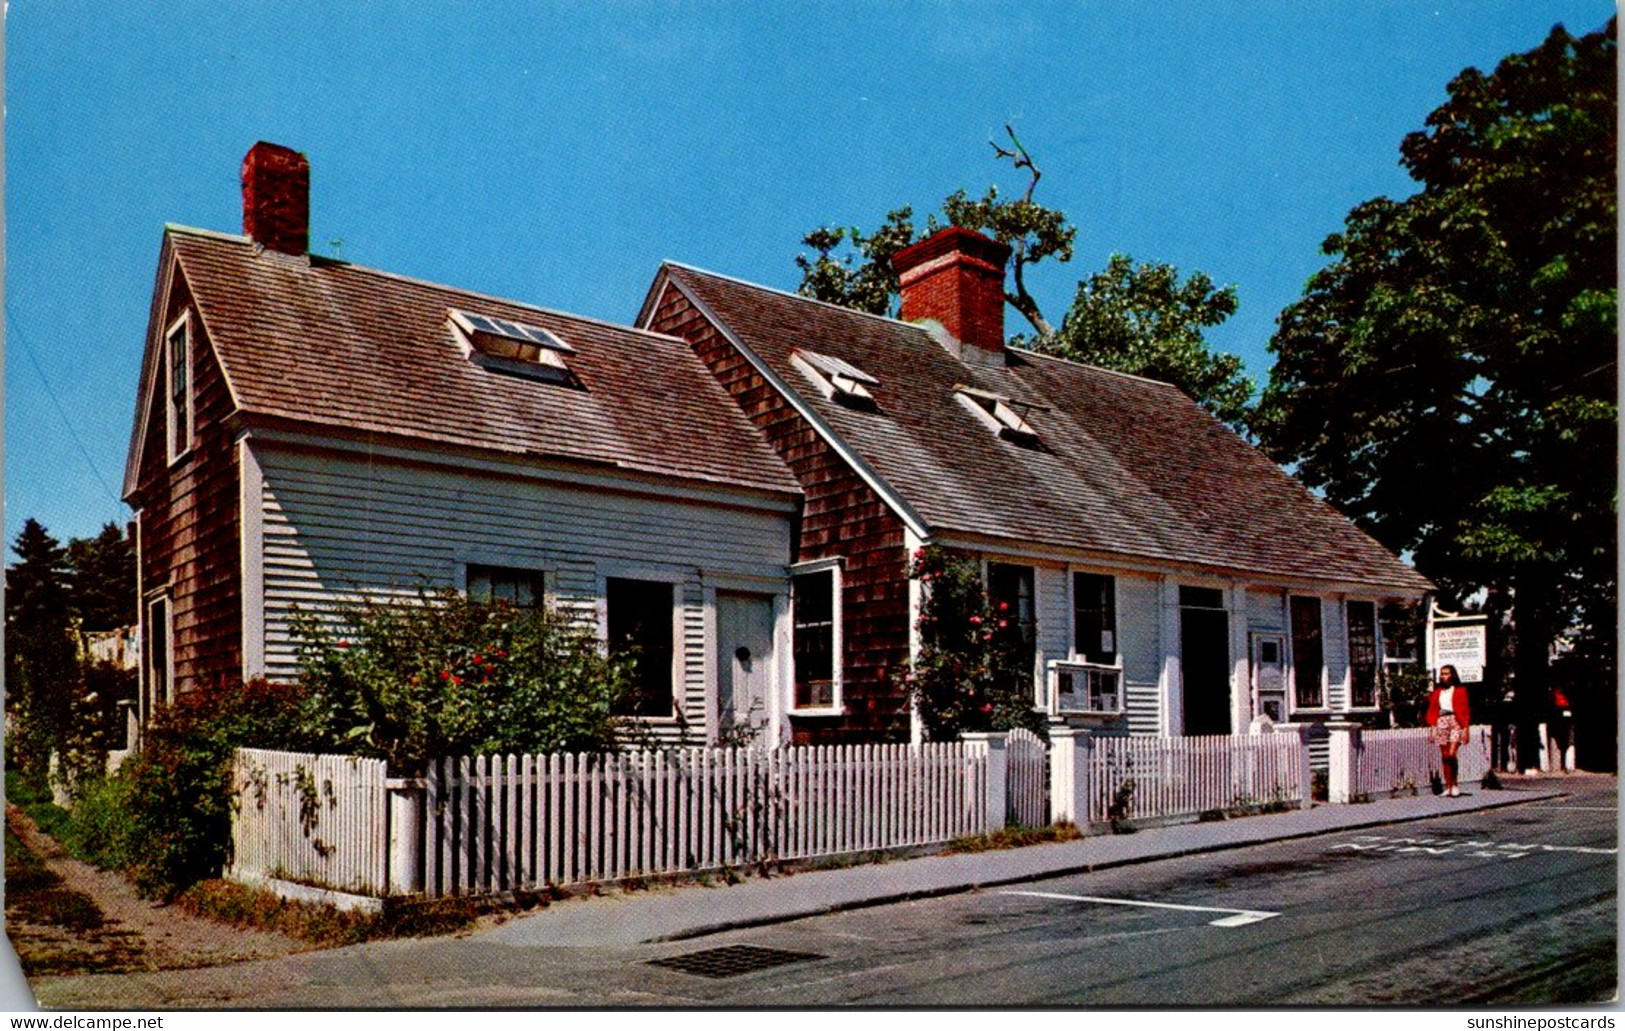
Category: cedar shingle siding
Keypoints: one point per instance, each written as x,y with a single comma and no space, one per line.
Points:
842,517
189,519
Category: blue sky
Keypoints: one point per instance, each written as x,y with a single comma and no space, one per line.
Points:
556,153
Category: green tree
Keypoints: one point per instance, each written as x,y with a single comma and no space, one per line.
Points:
42,669
1145,320
101,580
1449,379
1138,319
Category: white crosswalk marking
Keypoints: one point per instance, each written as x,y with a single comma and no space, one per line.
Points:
1236,918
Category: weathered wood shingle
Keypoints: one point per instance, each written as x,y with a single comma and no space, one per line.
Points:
1128,466
337,345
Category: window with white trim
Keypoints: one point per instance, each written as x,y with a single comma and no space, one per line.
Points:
838,380
1308,659
503,345
160,654
519,588
640,625
1005,416
1010,589
1092,682
178,387
815,604
1362,637
1094,618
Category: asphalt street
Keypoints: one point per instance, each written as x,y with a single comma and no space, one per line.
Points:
1514,905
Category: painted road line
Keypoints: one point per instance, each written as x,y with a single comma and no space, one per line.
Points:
1581,808
1477,849
1237,917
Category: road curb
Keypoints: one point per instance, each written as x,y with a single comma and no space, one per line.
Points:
890,898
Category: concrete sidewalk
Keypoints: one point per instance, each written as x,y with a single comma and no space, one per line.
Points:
666,914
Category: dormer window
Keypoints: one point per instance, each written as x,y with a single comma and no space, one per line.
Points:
1003,415
839,381
512,347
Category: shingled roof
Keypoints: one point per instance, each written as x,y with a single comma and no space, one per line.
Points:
1126,466
327,343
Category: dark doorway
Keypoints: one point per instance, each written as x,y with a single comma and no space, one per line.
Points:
1204,656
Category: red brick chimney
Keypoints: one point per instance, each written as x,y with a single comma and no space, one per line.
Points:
957,278
276,198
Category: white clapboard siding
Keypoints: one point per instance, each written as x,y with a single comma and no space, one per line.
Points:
313,819
1148,777
518,823
1393,763
1266,610
1139,642
336,525
1026,779
1335,637
1053,610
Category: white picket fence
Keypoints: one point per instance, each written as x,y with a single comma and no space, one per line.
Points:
1142,777
503,823
315,819
1027,773
1392,763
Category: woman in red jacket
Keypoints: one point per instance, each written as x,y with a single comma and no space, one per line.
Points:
1449,718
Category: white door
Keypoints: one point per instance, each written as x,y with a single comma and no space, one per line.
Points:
744,663
1269,676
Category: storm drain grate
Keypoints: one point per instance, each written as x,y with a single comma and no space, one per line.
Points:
732,960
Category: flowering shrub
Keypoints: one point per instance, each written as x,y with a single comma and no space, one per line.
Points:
176,792
446,675
971,674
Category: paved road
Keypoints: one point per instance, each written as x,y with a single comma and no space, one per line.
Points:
1512,905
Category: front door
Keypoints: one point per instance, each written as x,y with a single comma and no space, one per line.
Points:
1204,659
1269,676
744,663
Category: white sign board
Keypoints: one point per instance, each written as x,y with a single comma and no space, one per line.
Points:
1461,647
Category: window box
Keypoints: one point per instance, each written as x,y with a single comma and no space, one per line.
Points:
1085,688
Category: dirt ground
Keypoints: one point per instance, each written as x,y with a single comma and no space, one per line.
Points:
66,917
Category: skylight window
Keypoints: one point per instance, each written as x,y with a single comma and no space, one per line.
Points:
1003,415
840,381
514,347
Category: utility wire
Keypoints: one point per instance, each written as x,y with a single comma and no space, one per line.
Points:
33,359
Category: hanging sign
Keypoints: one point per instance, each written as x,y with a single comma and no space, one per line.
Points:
1461,647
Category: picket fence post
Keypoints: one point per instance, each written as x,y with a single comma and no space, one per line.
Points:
406,835
1071,751
991,746
1342,761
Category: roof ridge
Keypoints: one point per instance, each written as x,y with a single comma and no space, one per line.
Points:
793,295
417,281
1029,352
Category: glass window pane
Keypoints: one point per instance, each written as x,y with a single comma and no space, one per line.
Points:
1362,628
1094,622
813,643
1306,652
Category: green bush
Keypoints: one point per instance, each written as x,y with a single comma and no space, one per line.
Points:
177,789
446,675
969,675
405,683
99,830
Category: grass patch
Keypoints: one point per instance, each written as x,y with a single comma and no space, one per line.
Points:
324,925
1015,837
32,796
